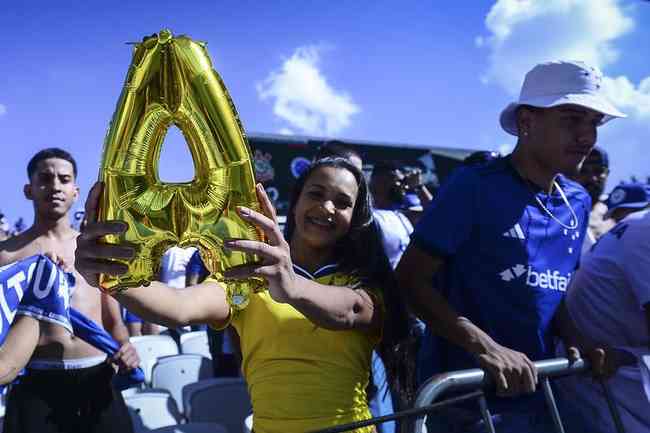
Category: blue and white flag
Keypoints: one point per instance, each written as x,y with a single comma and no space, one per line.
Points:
34,287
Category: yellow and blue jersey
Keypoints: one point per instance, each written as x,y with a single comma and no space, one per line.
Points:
300,376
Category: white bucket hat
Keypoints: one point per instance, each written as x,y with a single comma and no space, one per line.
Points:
557,83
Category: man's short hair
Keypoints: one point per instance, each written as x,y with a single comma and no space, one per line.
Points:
599,156
336,148
51,152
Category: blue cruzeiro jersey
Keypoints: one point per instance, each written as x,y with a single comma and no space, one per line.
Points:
508,261
35,287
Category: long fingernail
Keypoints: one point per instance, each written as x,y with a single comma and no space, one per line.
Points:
243,211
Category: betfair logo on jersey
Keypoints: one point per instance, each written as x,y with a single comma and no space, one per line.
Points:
547,279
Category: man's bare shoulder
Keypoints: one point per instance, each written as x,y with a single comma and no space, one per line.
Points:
18,247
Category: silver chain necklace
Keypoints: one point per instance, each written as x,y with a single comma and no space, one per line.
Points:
574,218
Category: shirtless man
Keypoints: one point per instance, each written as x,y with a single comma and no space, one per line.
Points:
68,385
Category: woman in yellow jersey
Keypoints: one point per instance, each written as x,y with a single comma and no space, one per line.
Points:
307,340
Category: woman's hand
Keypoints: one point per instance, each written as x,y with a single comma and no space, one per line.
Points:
276,264
92,256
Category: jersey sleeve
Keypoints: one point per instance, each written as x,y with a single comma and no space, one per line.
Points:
636,260
449,219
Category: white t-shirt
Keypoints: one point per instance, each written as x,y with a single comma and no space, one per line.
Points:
173,266
606,300
598,226
396,233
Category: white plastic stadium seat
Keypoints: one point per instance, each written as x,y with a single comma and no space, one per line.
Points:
221,400
150,410
193,427
196,342
152,347
172,373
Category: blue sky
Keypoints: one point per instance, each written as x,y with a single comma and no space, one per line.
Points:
422,72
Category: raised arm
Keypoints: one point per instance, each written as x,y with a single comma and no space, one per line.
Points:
18,347
164,305
158,303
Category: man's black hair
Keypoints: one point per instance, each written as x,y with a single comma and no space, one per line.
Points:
481,157
51,152
336,148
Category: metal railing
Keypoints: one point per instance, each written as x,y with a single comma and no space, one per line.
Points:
474,382
475,378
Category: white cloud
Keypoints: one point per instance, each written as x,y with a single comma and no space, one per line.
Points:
505,148
285,131
631,99
522,33
3,110
303,98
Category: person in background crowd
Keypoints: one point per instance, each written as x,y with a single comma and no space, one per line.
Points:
133,323
627,198
53,396
330,301
389,186
19,227
593,174
593,177
481,157
507,235
609,301
223,344
173,268
336,148
4,227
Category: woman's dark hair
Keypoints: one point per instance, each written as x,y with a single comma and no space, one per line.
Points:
361,252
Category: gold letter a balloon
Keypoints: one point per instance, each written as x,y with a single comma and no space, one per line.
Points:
171,82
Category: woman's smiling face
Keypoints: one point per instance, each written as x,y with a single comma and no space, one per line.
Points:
323,213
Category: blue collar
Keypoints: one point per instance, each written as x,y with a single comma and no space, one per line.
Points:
323,271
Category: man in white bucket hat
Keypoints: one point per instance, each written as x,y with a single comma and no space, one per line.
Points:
560,83
505,238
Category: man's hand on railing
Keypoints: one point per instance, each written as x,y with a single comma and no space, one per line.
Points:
512,371
604,361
